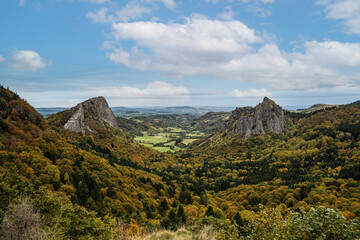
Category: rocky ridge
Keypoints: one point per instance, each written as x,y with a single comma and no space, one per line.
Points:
87,116
251,121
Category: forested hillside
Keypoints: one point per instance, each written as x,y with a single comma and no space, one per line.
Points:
300,184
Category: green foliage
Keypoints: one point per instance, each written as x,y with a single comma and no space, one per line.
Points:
174,219
322,223
210,212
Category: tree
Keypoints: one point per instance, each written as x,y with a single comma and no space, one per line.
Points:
170,222
180,215
111,192
163,207
241,224
210,212
83,192
185,196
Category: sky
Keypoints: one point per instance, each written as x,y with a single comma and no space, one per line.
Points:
57,53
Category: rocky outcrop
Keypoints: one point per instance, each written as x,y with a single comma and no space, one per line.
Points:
88,116
254,121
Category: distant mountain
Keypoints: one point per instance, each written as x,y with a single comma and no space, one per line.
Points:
147,111
250,121
49,111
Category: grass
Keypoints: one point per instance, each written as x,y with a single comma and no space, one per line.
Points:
149,145
176,130
207,233
195,134
168,134
167,137
151,139
188,141
163,149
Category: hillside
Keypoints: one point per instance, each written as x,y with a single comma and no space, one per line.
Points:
316,107
62,172
101,184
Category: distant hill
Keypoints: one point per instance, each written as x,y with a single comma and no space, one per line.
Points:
49,111
146,111
129,112
354,104
316,107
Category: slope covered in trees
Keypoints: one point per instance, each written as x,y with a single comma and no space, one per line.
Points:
105,186
96,177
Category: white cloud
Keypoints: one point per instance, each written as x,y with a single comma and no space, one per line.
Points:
346,10
257,7
258,1
197,44
158,93
168,3
230,50
2,59
267,1
22,3
250,96
119,56
97,1
131,11
28,60
260,11
106,45
100,16
251,93
228,14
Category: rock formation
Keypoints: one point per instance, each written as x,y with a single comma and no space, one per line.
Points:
87,116
254,121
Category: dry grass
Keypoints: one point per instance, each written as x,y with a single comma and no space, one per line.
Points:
206,233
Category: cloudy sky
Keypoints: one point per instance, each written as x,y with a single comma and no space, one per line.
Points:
56,53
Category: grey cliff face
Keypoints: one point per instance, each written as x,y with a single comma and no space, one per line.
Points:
86,115
255,121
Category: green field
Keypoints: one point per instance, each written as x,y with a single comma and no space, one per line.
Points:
146,139
173,133
164,140
188,141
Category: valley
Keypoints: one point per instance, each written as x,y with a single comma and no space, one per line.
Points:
174,132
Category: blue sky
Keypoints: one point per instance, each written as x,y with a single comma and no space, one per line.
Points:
56,53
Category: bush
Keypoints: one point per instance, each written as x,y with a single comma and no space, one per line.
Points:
322,223
23,222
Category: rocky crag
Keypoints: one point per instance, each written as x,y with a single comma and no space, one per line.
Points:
250,121
88,116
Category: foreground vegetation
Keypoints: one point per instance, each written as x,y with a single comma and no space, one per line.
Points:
304,183
22,222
